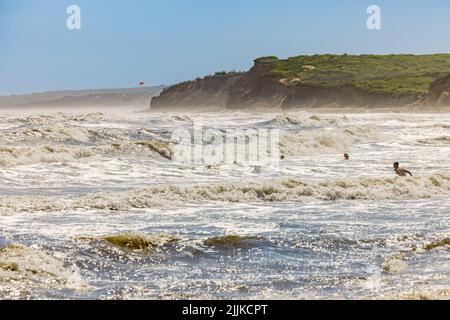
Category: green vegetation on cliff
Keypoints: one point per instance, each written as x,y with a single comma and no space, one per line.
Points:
394,75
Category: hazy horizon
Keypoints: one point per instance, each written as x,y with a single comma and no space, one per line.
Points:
83,90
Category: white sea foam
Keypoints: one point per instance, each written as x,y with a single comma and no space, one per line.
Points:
13,156
23,269
304,120
279,190
65,176
328,140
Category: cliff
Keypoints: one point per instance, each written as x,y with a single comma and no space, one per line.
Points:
439,94
208,91
319,81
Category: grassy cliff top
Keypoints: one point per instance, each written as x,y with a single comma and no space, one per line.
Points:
388,74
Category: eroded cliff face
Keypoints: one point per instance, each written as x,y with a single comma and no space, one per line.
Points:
261,88
440,92
212,91
257,88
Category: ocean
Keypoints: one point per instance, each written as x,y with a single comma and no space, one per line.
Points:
96,206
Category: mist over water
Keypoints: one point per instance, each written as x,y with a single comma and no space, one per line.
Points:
92,206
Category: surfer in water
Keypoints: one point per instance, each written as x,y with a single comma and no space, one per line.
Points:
346,156
402,172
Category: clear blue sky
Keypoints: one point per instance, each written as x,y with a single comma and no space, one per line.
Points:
167,41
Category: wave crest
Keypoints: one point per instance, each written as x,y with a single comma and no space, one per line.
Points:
363,188
138,241
232,241
23,269
10,156
320,141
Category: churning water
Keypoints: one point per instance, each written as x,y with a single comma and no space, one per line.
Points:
93,206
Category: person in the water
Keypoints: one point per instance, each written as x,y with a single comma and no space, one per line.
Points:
346,156
402,172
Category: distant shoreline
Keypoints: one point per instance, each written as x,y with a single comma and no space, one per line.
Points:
101,98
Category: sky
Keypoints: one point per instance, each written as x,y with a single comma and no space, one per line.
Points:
164,42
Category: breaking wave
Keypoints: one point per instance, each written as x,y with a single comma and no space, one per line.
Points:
15,156
277,190
61,133
302,121
138,241
232,241
54,133
138,149
445,242
328,141
58,117
396,188
23,269
427,294
395,263
11,156
436,140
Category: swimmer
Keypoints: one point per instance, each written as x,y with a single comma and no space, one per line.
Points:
257,170
346,156
402,172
